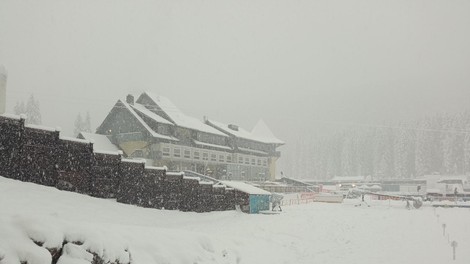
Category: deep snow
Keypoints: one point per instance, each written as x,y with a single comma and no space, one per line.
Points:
385,232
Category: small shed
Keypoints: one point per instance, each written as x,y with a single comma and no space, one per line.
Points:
251,199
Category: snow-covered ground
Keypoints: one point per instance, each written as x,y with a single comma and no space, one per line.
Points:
385,232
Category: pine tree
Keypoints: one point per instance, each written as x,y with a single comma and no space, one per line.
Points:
421,163
19,108
400,154
87,124
466,153
78,125
33,113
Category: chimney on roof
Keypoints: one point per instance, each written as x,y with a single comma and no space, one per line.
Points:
130,99
233,127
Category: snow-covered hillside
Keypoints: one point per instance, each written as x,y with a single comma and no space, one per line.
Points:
311,233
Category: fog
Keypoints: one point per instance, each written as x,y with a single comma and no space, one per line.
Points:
296,64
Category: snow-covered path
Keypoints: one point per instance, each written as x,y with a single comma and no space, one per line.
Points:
311,233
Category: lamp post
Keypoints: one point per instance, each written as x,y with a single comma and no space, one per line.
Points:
453,245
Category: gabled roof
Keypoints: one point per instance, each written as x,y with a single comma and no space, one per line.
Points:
141,109
179,118
263,134
262,131
240,133
149,129
123,105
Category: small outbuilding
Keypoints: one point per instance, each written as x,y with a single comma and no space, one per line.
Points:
251,199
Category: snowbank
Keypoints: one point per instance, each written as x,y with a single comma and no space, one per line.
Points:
88,228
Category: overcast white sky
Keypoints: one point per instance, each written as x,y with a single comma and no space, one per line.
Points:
290,62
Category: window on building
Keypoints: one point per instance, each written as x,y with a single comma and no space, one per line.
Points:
240,159
161,129
229,158
205,156
247,160
213,157
259,162
265,163
177,152
196,155
187,154
166,151
253,161
221,158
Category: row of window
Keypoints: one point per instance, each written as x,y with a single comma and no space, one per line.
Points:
254,161
206,156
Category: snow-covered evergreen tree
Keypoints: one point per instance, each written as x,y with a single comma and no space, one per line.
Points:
82,125
33,113
19,108
466,152
78,125
87,124
400,153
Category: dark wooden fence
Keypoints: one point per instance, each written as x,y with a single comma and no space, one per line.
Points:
39,155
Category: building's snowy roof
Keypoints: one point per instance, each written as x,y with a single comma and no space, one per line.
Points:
262,132
240,133
145,125
452,179
434,191
140,108
349,179
211,145
245,187
179,118
245,134
100,142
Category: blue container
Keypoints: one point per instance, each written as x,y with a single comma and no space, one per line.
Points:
259,202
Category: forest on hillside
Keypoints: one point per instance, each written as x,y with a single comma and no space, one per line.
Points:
438,144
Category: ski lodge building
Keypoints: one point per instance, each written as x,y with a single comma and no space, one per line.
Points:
154,129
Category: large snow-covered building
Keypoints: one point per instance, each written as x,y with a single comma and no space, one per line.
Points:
153,128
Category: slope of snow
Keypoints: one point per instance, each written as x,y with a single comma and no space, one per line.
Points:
385,232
